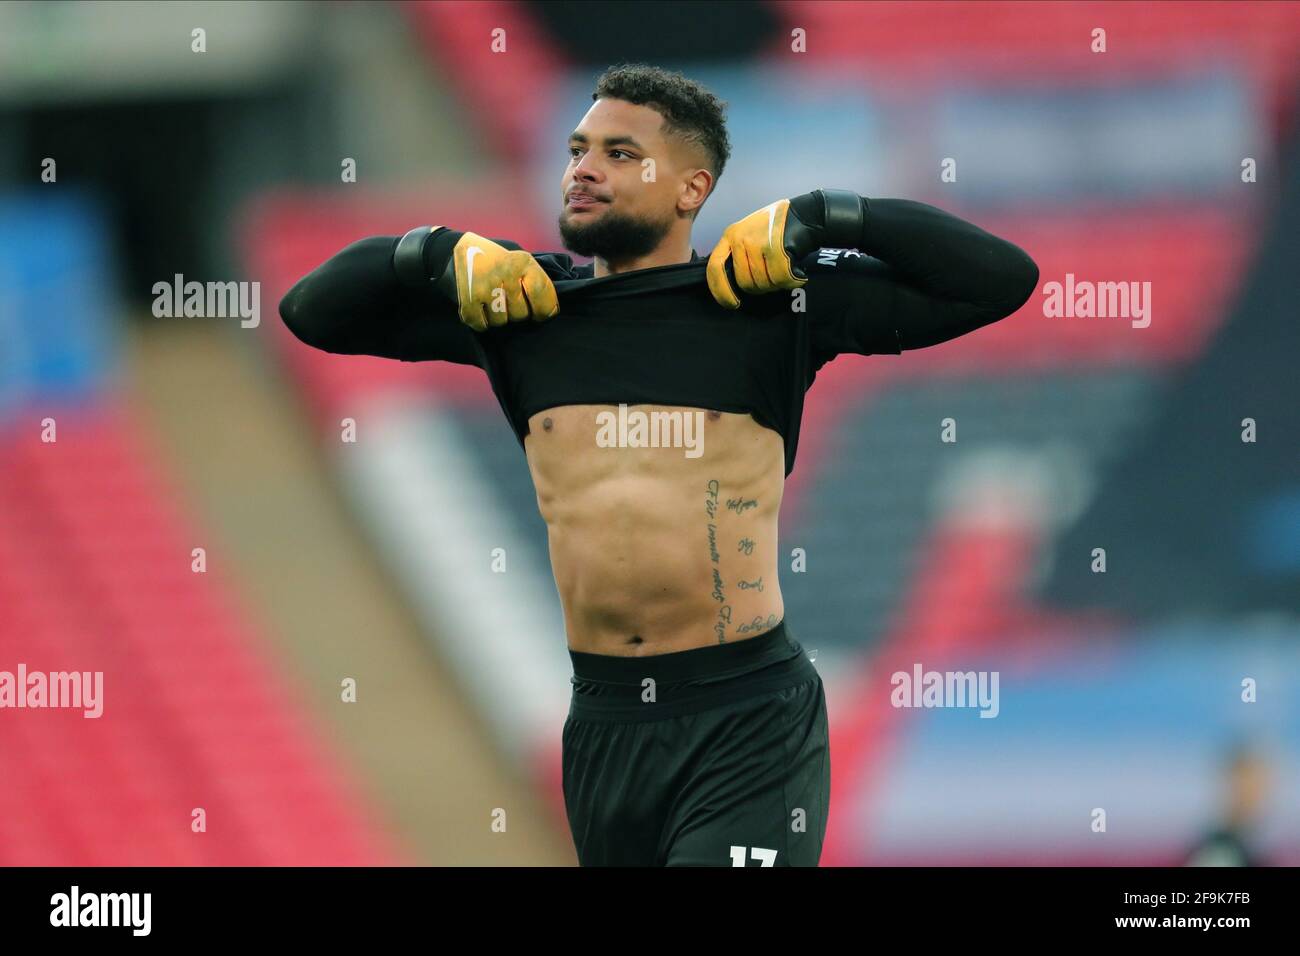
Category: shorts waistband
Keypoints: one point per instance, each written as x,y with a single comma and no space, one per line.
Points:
714,660
608,687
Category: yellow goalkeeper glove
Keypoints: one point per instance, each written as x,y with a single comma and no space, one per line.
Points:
492,285
764,247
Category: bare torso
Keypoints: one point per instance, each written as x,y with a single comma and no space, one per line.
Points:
655,551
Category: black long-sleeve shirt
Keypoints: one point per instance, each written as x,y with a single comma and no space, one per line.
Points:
918,277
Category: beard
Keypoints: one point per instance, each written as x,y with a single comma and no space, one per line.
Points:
613,236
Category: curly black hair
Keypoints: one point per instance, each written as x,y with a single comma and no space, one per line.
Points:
690,111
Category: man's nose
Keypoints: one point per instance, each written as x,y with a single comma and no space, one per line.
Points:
586,171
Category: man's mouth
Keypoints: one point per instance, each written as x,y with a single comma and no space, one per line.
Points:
582,201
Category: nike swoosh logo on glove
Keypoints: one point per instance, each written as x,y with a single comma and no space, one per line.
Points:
469,262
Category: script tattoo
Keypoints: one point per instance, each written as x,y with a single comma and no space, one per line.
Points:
757,624
724,618
711,509
741,505
719,591
746,545
748,585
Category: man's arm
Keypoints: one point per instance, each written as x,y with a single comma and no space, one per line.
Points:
925,277
354,304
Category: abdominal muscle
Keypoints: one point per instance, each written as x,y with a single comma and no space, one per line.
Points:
659,549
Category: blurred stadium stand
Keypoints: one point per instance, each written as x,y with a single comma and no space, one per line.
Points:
1120,689
95,576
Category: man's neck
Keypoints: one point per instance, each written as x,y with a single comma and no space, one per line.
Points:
670,252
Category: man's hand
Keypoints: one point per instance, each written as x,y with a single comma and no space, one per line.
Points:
765,246
492,285
763,249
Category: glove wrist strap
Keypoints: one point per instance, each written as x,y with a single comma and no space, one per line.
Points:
408,257
843,219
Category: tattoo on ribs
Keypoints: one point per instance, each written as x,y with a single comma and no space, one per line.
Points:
719,592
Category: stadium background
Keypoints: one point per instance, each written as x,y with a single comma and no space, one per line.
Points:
329,560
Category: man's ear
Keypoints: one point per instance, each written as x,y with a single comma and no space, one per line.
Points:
708,191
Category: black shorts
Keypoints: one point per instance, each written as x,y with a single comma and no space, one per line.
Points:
716,756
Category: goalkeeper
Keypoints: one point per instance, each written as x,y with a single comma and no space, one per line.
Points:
666,564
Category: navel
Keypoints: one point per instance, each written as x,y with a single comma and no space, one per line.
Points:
546,424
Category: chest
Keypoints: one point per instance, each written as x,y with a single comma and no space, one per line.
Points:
671,349
646,454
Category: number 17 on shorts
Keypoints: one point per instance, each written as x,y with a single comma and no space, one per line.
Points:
765,857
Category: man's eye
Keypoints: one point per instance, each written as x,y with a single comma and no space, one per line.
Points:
572,150
620,151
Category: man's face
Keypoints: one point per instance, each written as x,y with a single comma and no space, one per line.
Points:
617,206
